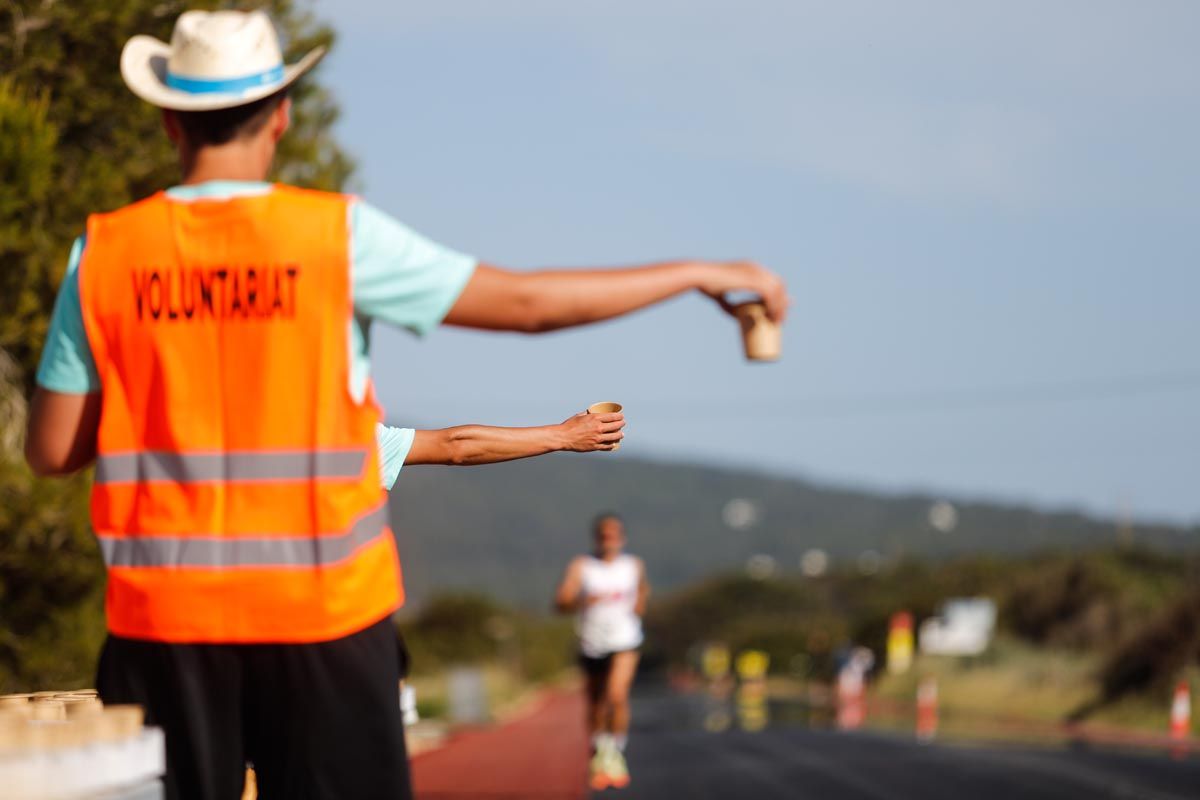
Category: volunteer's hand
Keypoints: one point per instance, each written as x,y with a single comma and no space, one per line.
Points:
746,276
584,432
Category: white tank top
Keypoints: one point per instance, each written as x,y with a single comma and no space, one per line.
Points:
609,625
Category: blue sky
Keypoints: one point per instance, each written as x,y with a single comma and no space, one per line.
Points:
987,214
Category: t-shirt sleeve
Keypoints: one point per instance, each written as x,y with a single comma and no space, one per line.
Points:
67,365
394,444
399,276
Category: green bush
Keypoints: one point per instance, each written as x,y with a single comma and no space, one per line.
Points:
1157,653
460,628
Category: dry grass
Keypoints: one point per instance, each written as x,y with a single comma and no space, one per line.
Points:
1012,681
1017,684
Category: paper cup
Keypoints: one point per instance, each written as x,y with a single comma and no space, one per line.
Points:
606,408
49,710
117,723
82,706
762,338
12,735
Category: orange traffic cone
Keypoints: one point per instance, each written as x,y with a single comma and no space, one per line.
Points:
851,701
1181,711
927,709
851,709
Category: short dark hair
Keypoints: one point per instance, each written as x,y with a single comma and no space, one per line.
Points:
603,515
204,128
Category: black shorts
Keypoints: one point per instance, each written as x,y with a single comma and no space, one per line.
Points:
405,659
317,720
599,666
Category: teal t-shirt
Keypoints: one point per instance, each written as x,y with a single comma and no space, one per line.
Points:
397,276
393,444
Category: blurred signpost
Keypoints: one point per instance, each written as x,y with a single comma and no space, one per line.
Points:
964,628
751,667
900,643
714,661
467,695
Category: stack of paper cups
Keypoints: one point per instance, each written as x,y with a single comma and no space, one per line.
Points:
69,746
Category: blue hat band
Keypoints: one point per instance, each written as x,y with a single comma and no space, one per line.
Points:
225,85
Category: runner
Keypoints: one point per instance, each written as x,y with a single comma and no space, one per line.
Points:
608,591
209,352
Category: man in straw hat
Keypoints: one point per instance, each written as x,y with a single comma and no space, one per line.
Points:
208,351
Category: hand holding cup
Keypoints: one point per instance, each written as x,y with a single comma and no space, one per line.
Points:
598,428
742,277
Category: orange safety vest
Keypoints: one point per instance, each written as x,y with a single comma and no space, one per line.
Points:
237,494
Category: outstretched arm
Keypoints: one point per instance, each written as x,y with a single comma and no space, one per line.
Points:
547,300
468,445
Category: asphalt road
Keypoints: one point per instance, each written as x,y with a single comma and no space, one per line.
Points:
672,755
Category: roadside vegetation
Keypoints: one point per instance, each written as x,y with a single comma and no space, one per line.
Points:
1100,637
1097,636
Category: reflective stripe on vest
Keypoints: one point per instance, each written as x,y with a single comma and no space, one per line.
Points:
207,467
204,550
236,496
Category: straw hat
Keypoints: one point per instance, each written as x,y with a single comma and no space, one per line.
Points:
217,59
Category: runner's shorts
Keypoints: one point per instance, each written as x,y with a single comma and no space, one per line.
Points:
598,666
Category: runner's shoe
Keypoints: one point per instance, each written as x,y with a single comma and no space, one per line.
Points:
618,772
598,770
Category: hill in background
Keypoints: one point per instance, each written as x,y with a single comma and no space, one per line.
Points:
508,530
